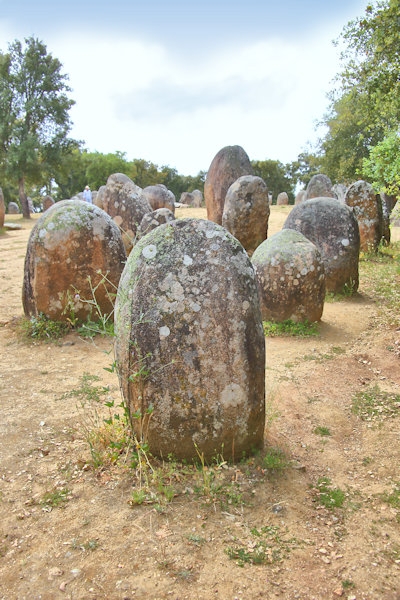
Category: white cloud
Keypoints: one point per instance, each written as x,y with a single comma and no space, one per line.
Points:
136,97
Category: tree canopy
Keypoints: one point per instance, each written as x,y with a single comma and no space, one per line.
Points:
365,104
34,115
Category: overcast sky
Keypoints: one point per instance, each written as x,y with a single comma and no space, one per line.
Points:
174,81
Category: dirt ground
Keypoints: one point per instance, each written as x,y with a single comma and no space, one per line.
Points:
94,544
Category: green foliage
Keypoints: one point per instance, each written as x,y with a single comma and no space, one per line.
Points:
267,545
55,498
328,496
382,167
34,109
322,431
41,327
276,175
290,328
365,105
375,404
393,497
275,460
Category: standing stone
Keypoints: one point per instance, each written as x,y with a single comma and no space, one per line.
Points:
282,199
368,211
387,202
190,346
333,228
2,209
98,200
197,199
339,191
319,186
395,215
47,202
158,196
291,278
228,165
300,196
74,249
246,211
13,208
123,200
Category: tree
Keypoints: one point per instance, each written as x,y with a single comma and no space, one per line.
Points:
304,168
276,175
34,115
366,103
382,167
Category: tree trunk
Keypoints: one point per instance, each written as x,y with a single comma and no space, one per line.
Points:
26,213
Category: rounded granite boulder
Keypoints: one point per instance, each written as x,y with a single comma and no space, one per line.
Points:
333,228
291,278
74,259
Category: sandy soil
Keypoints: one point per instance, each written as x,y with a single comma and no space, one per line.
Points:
96,545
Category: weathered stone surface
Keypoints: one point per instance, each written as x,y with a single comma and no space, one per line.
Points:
198,199
123,200
387,203
368,211
187,315
395,215
2,208
71,242
282,199
47,202
339,191
229,164
333,228
154,219
13,208
194,199
98,199
290,275
300,196
158,196
319,186
246,211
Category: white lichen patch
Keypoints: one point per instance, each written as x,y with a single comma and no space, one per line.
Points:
345,242
149,251
164,332
187,260
233,395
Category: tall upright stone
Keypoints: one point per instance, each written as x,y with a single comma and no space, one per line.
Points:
246,211
123,200
367,207
190,347
230,163
282,199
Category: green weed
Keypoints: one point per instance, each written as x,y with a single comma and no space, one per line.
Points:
328,496
275,460
266,546
393,498
55,498
290,328
322,431
375,405
42,328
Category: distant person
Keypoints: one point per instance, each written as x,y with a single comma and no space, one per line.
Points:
87,195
